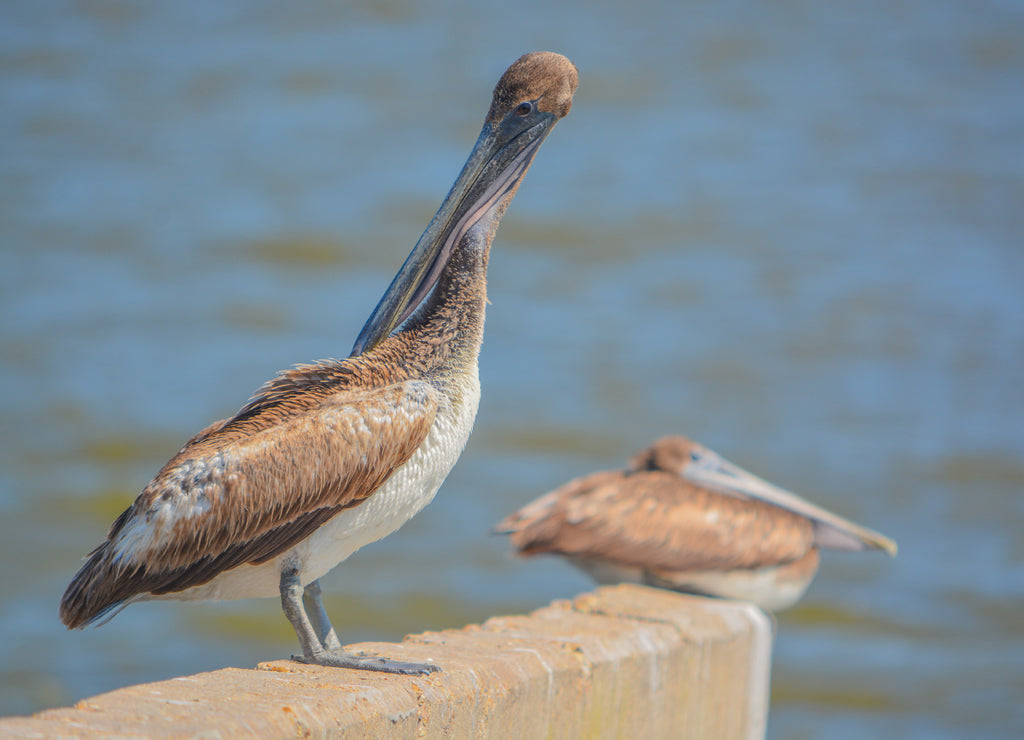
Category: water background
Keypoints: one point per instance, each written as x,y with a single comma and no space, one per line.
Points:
793,231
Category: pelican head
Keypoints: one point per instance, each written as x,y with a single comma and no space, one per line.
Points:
699,465
532,95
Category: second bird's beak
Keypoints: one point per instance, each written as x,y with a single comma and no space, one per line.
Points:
710,470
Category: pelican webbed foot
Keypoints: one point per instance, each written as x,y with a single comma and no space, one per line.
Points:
339,659
304,608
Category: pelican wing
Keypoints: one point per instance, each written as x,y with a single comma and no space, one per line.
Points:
655,521
247,489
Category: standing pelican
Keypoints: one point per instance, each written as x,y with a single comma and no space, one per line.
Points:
683,518
329,457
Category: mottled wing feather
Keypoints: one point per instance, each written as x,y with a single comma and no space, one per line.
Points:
655,521
536,525
250,488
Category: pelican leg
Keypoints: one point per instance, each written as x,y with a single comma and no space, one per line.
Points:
291,603
312,597
312,643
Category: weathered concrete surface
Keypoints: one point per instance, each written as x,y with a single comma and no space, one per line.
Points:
620,662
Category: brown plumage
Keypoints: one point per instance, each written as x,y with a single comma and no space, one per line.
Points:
682,517
254,484
329,457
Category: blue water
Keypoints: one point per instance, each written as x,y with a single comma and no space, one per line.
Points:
790,231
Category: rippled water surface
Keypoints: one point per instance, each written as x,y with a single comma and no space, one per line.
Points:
792,231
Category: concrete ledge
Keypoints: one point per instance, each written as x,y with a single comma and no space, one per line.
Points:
619,662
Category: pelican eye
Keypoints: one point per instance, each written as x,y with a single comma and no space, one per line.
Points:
525,108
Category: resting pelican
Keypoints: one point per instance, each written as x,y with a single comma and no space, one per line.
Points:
329,457
683,518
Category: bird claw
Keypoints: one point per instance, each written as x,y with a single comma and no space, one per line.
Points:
369,663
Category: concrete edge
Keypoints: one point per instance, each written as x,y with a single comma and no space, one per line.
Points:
621,661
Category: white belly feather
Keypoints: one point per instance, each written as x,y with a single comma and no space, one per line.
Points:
404,494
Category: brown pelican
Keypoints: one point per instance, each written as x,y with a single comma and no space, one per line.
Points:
329,457
683,518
